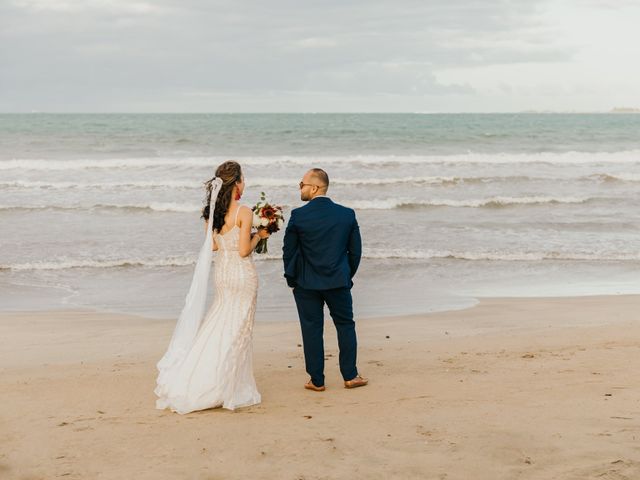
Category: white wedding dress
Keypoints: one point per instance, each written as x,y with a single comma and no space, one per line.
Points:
217,369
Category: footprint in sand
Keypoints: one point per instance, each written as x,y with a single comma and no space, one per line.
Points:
429,434
617,469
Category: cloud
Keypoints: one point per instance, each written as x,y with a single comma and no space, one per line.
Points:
315,42
93,54
90,6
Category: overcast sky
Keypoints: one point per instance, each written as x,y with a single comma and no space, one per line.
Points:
316,56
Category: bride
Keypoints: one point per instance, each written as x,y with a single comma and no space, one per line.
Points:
209,360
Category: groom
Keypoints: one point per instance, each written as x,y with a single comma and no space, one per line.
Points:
321,253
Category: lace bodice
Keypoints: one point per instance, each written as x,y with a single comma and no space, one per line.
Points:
229,241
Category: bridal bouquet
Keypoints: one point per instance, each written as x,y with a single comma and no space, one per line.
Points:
266,216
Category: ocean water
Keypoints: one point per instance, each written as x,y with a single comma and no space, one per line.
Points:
102,211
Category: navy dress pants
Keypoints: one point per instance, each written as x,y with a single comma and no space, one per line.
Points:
310,304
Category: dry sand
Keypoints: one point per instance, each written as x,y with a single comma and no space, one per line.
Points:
509,389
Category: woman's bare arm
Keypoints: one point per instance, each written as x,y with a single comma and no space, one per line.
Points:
248,241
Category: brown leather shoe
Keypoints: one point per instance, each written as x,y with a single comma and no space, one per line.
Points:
310,386
356,382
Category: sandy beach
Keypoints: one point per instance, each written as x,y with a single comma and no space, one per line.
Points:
509,389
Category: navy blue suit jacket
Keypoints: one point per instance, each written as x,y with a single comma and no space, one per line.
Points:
322,246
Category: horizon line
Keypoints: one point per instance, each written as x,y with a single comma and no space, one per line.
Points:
584,112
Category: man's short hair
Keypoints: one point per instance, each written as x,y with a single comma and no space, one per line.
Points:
321,175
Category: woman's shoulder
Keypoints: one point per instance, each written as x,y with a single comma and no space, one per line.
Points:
243,212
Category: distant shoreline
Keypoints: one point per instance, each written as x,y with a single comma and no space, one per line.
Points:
516,112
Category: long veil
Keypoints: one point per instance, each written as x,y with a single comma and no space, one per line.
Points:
194,306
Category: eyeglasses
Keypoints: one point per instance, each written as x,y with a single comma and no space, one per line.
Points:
302,185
